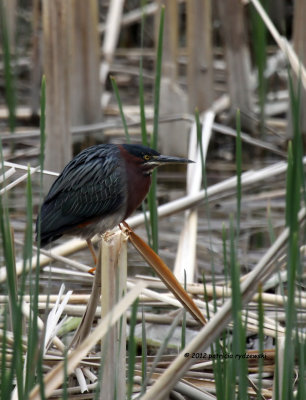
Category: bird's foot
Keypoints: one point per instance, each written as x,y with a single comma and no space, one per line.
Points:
125,227
107,235
93,253
92,270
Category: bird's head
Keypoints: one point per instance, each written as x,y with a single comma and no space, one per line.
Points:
149,159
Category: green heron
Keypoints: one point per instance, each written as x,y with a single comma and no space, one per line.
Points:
98,189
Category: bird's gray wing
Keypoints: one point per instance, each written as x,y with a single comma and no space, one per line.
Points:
90,186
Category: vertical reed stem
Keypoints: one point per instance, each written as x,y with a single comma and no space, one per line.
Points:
113,277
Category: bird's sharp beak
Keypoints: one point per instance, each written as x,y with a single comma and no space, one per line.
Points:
170,160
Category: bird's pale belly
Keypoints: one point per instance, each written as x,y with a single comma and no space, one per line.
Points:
88,229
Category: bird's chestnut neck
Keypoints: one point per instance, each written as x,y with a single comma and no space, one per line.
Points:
138,181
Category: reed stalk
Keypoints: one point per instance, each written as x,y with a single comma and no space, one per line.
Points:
113,288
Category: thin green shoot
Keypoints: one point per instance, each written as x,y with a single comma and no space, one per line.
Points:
259,33
143,123
261,341
159,57
163,346
204,182
215,349
239,169
272,235
301,386
116,91
147,224
293,202
14,306
141,85
239,339
27,262
132,350
41,153
5,381
152,201
276,371
199,139
183,332
9,81
219,369
34,291
42,127
65,382
225,258
206,297
143,355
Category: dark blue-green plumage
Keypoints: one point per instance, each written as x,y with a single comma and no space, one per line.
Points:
91,186
98,189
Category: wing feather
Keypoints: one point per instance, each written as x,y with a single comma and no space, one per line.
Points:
91,185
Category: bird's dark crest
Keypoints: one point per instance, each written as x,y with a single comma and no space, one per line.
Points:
140,151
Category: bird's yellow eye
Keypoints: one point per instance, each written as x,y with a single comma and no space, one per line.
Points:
146,157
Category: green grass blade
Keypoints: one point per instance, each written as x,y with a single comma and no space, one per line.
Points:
7,245
204,182
65,382
289,184
224,247
5,379
293,203
276,372
141,84
42,124
206,296
158,77
301,389
153,190
199,139
144,135
218,365
287,387
183,332
261,341
42,150
34,362
239,339
34,283
116,91
34,357
147,223
219,369
132,350
152,202
272,235
143,356
27,261
163,346
259,34
11,283
9,81
239,169
41,161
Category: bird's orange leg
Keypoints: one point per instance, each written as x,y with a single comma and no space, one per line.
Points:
93,253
